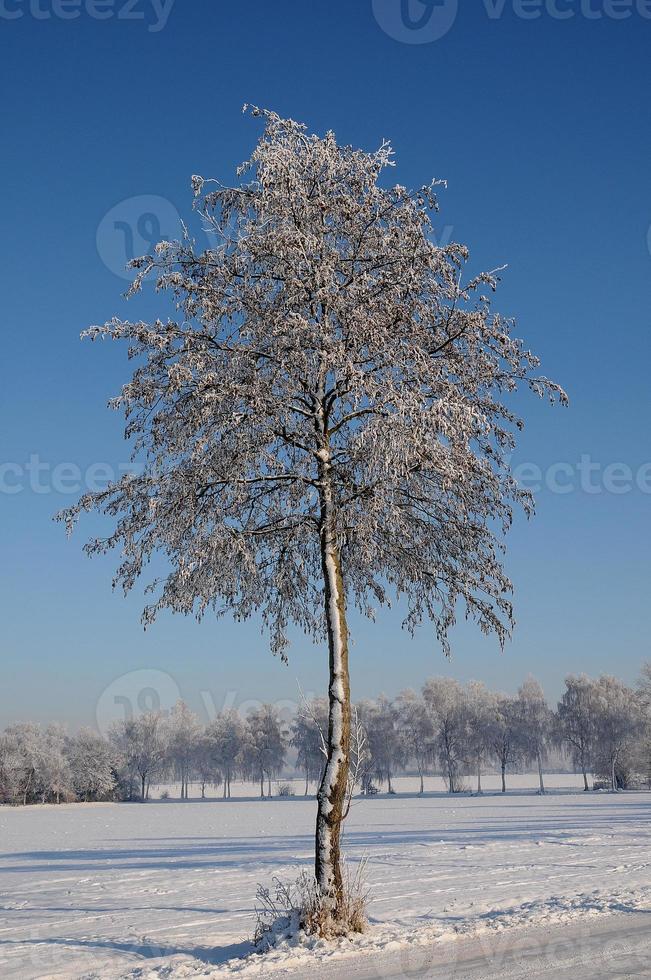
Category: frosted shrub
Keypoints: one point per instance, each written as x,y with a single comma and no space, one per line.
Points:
286,910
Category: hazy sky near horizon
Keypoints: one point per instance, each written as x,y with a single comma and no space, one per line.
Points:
540,125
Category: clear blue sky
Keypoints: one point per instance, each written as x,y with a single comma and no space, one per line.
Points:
542,129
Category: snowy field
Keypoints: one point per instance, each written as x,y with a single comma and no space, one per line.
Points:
166,889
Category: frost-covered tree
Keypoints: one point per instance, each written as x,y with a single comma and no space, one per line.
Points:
33,766
225,735
576,721
24,742
10,768
308,736
53,777
386,745
618,725
324,421
505,733
446,706
265,745
644,685
92,761
480,716
204,764
644,699
535,725
183,735
416,731
142,745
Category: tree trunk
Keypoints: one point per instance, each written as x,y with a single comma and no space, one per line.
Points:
307,783
451,785
331,796
27,785
613,778
478,774
540,775
142,788
262,785
422,784
586,788
504,777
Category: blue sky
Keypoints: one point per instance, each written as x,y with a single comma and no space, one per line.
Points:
542,129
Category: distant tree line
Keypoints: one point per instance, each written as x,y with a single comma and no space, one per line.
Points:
459,731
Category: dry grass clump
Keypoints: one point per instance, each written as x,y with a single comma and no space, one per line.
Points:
286,910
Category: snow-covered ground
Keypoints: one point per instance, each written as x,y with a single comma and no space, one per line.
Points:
166,889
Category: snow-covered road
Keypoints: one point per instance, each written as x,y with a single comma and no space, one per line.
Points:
604,948
167,889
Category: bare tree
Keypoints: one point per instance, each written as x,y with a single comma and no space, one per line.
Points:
360,758
323,424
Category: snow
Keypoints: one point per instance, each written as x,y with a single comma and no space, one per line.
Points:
166,889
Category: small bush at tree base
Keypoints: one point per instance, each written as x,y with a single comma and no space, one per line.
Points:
285,789
287,909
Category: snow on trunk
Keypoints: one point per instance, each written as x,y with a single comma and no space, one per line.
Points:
331,796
